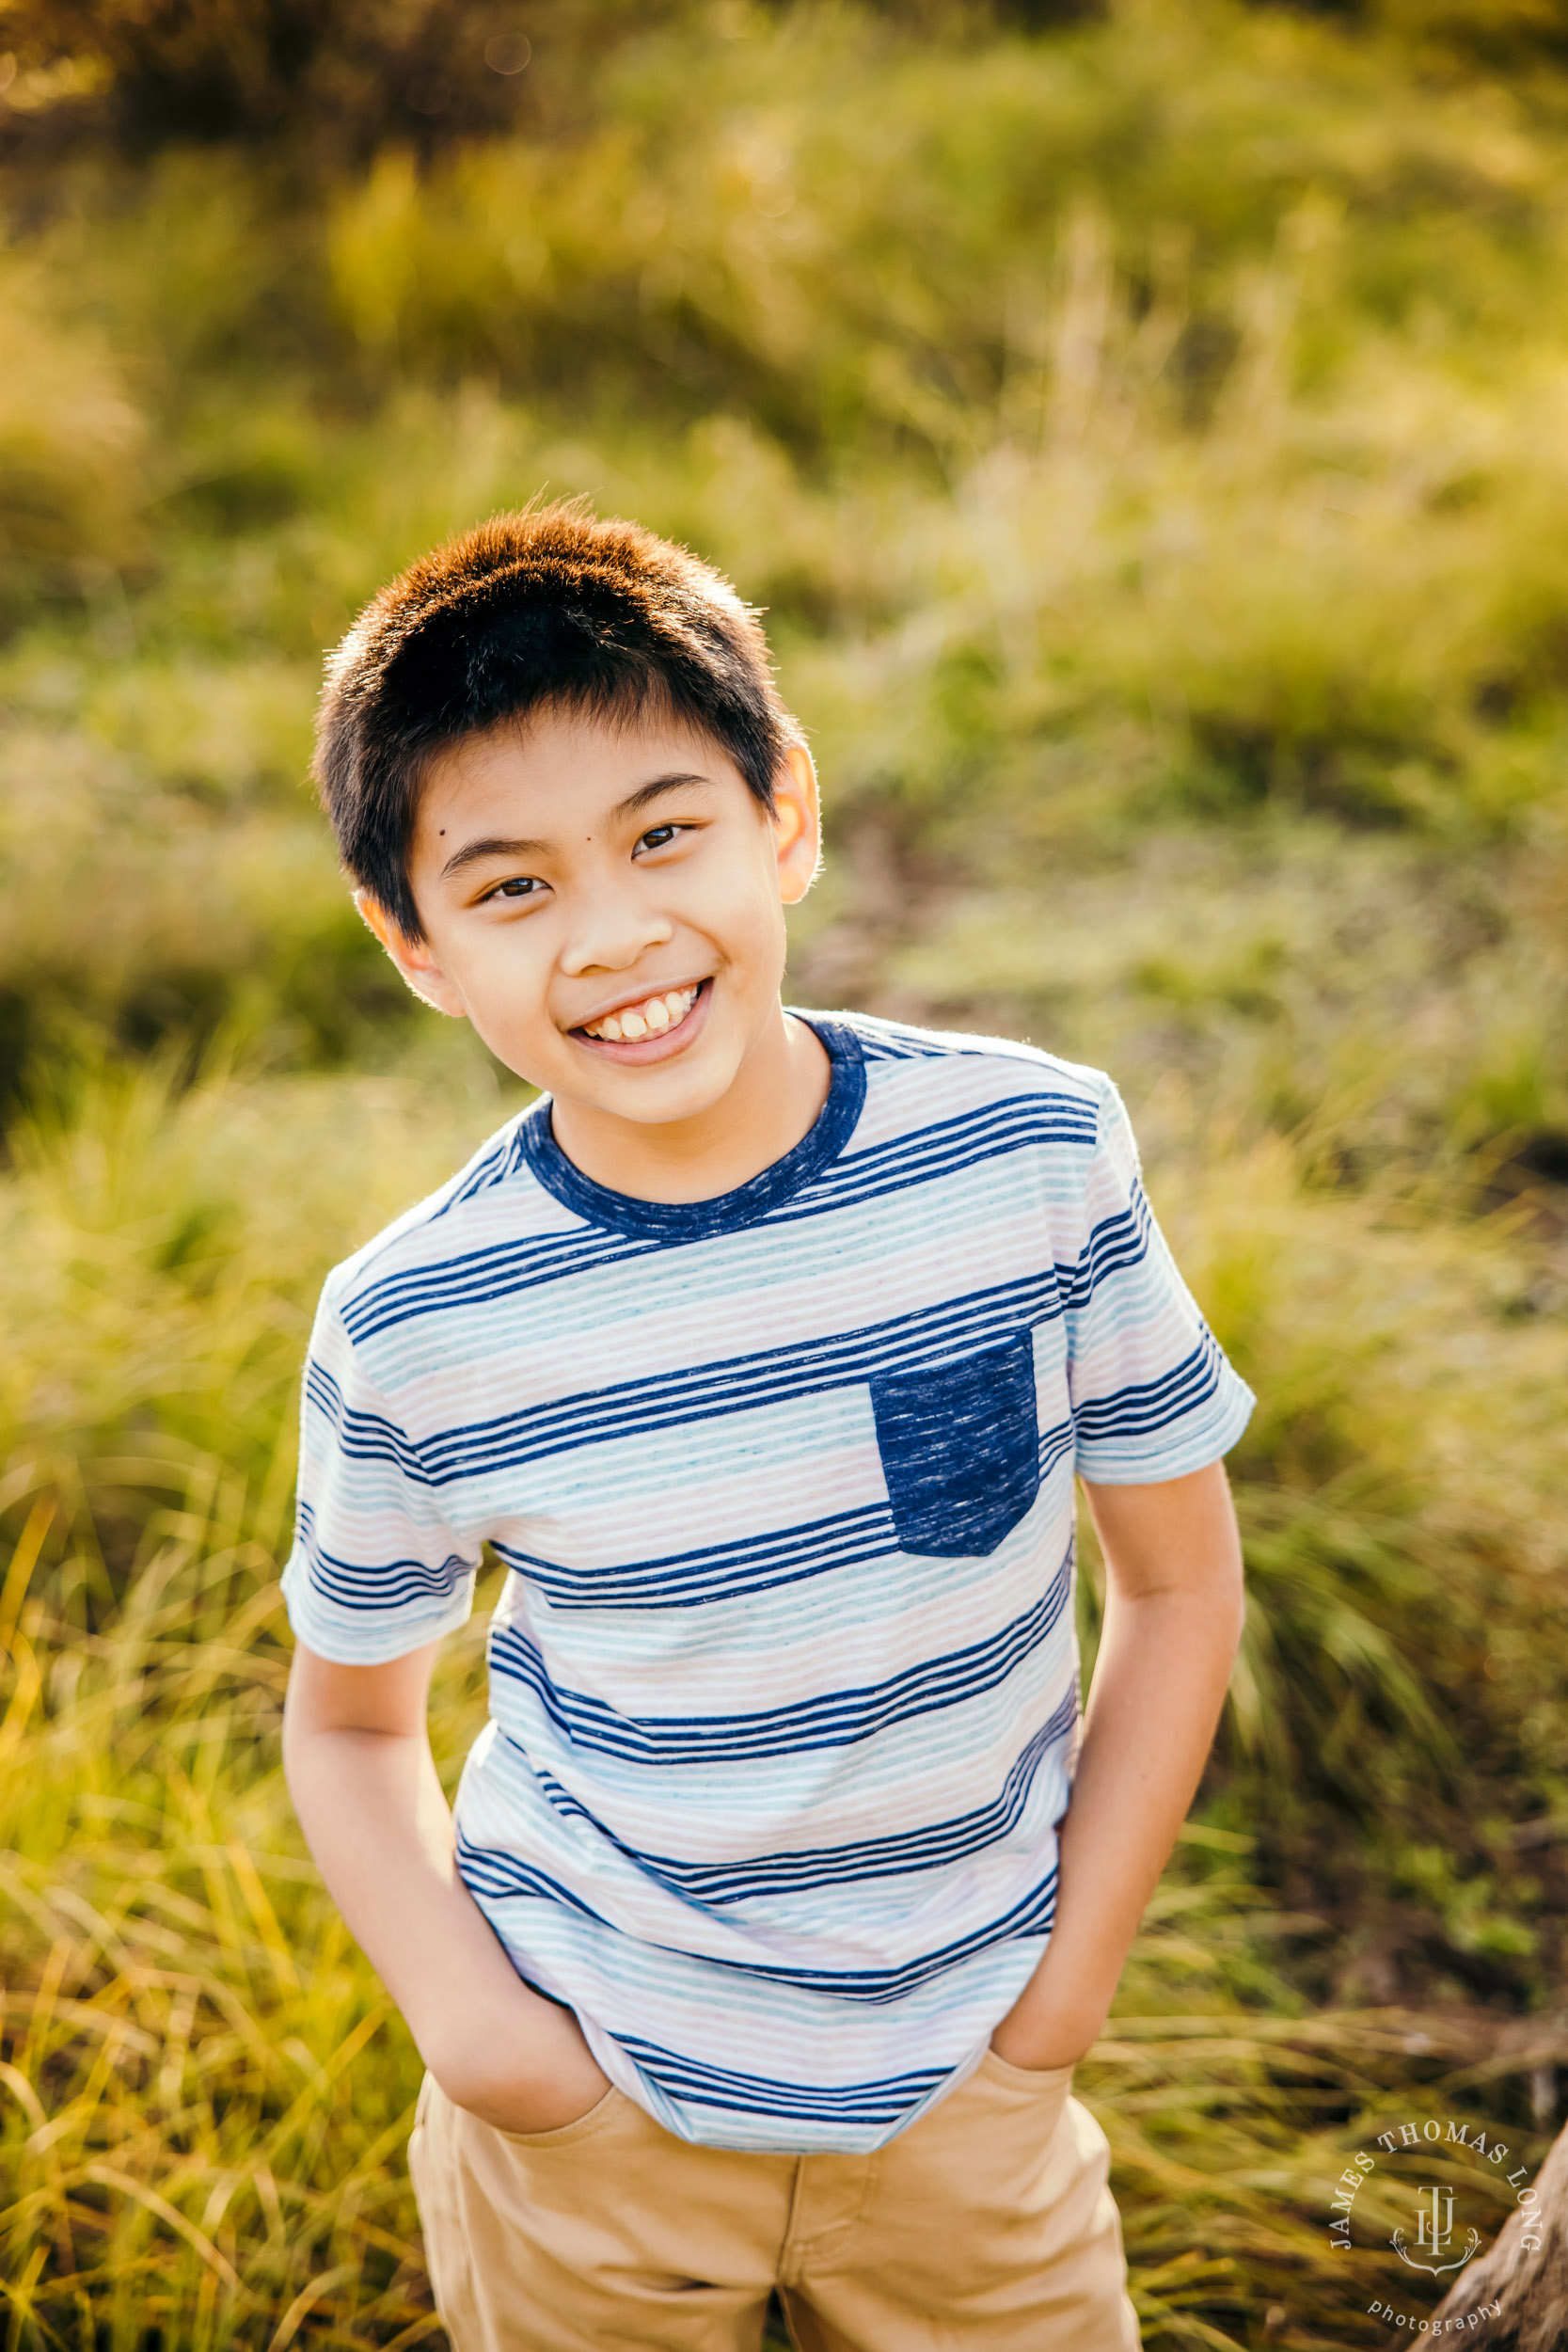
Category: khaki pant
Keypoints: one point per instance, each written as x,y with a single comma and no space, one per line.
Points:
986,2223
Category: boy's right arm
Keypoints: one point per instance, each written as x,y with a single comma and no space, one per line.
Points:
357,1756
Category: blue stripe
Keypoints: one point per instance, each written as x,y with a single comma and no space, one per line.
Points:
504,1877
716,1571
502,1159
480,1277
713,1572
888,1045
1150,1404
945,1148
688,2080
389,1585
1055,1445
362,1437
1031,1915
838,1719
1114,1245
889,1049
720,1883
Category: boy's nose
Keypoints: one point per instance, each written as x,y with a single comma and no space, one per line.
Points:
610,933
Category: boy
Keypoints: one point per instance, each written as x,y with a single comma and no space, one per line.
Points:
763,1350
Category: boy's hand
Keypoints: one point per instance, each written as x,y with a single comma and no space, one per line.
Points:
514,2070
1059,2017
1041,2052
1173,1616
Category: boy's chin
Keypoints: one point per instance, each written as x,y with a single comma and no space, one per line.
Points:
654,1092
659,1097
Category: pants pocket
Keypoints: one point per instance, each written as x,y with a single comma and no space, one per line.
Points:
1040,2078
582,2128
959,1444
433,2167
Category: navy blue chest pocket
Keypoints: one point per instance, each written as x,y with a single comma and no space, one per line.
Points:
959,1444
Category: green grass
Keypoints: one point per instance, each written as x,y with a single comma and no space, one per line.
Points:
1145,436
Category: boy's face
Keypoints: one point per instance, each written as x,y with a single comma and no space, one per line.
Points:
606,905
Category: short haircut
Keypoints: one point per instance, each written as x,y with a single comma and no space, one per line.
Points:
549,609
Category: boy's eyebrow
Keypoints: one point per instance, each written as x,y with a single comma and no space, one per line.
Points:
646,792
494,845
491,845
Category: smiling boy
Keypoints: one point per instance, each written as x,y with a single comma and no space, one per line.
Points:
763,1350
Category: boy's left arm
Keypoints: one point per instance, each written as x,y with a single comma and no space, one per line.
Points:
1173,1618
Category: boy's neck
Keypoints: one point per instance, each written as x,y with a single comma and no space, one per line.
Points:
775,1098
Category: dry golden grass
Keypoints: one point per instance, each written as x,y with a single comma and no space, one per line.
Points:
206,2096
1147,441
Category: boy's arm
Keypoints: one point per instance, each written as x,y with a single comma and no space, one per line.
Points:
357,1754
1173,1617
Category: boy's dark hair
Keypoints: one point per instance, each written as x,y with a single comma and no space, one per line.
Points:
550,608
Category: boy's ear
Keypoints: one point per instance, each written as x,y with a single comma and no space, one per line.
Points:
798,838
413,959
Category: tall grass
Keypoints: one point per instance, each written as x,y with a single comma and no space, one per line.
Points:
204,2093
1144,439
204,2089
1149,427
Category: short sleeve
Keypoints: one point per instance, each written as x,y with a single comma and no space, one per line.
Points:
376,1569
1153,1396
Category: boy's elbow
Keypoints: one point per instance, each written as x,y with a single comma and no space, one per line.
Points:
1228,1563
1232,1588
298,1728
310,1714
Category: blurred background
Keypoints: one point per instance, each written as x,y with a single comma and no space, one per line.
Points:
1147,426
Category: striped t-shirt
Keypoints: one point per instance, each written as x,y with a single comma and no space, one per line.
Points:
783,1683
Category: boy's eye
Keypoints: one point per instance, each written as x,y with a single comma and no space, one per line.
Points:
519,886
658,837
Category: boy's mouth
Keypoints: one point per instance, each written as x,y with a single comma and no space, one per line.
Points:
646,1022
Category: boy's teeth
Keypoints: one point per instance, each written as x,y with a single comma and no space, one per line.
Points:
654,1013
